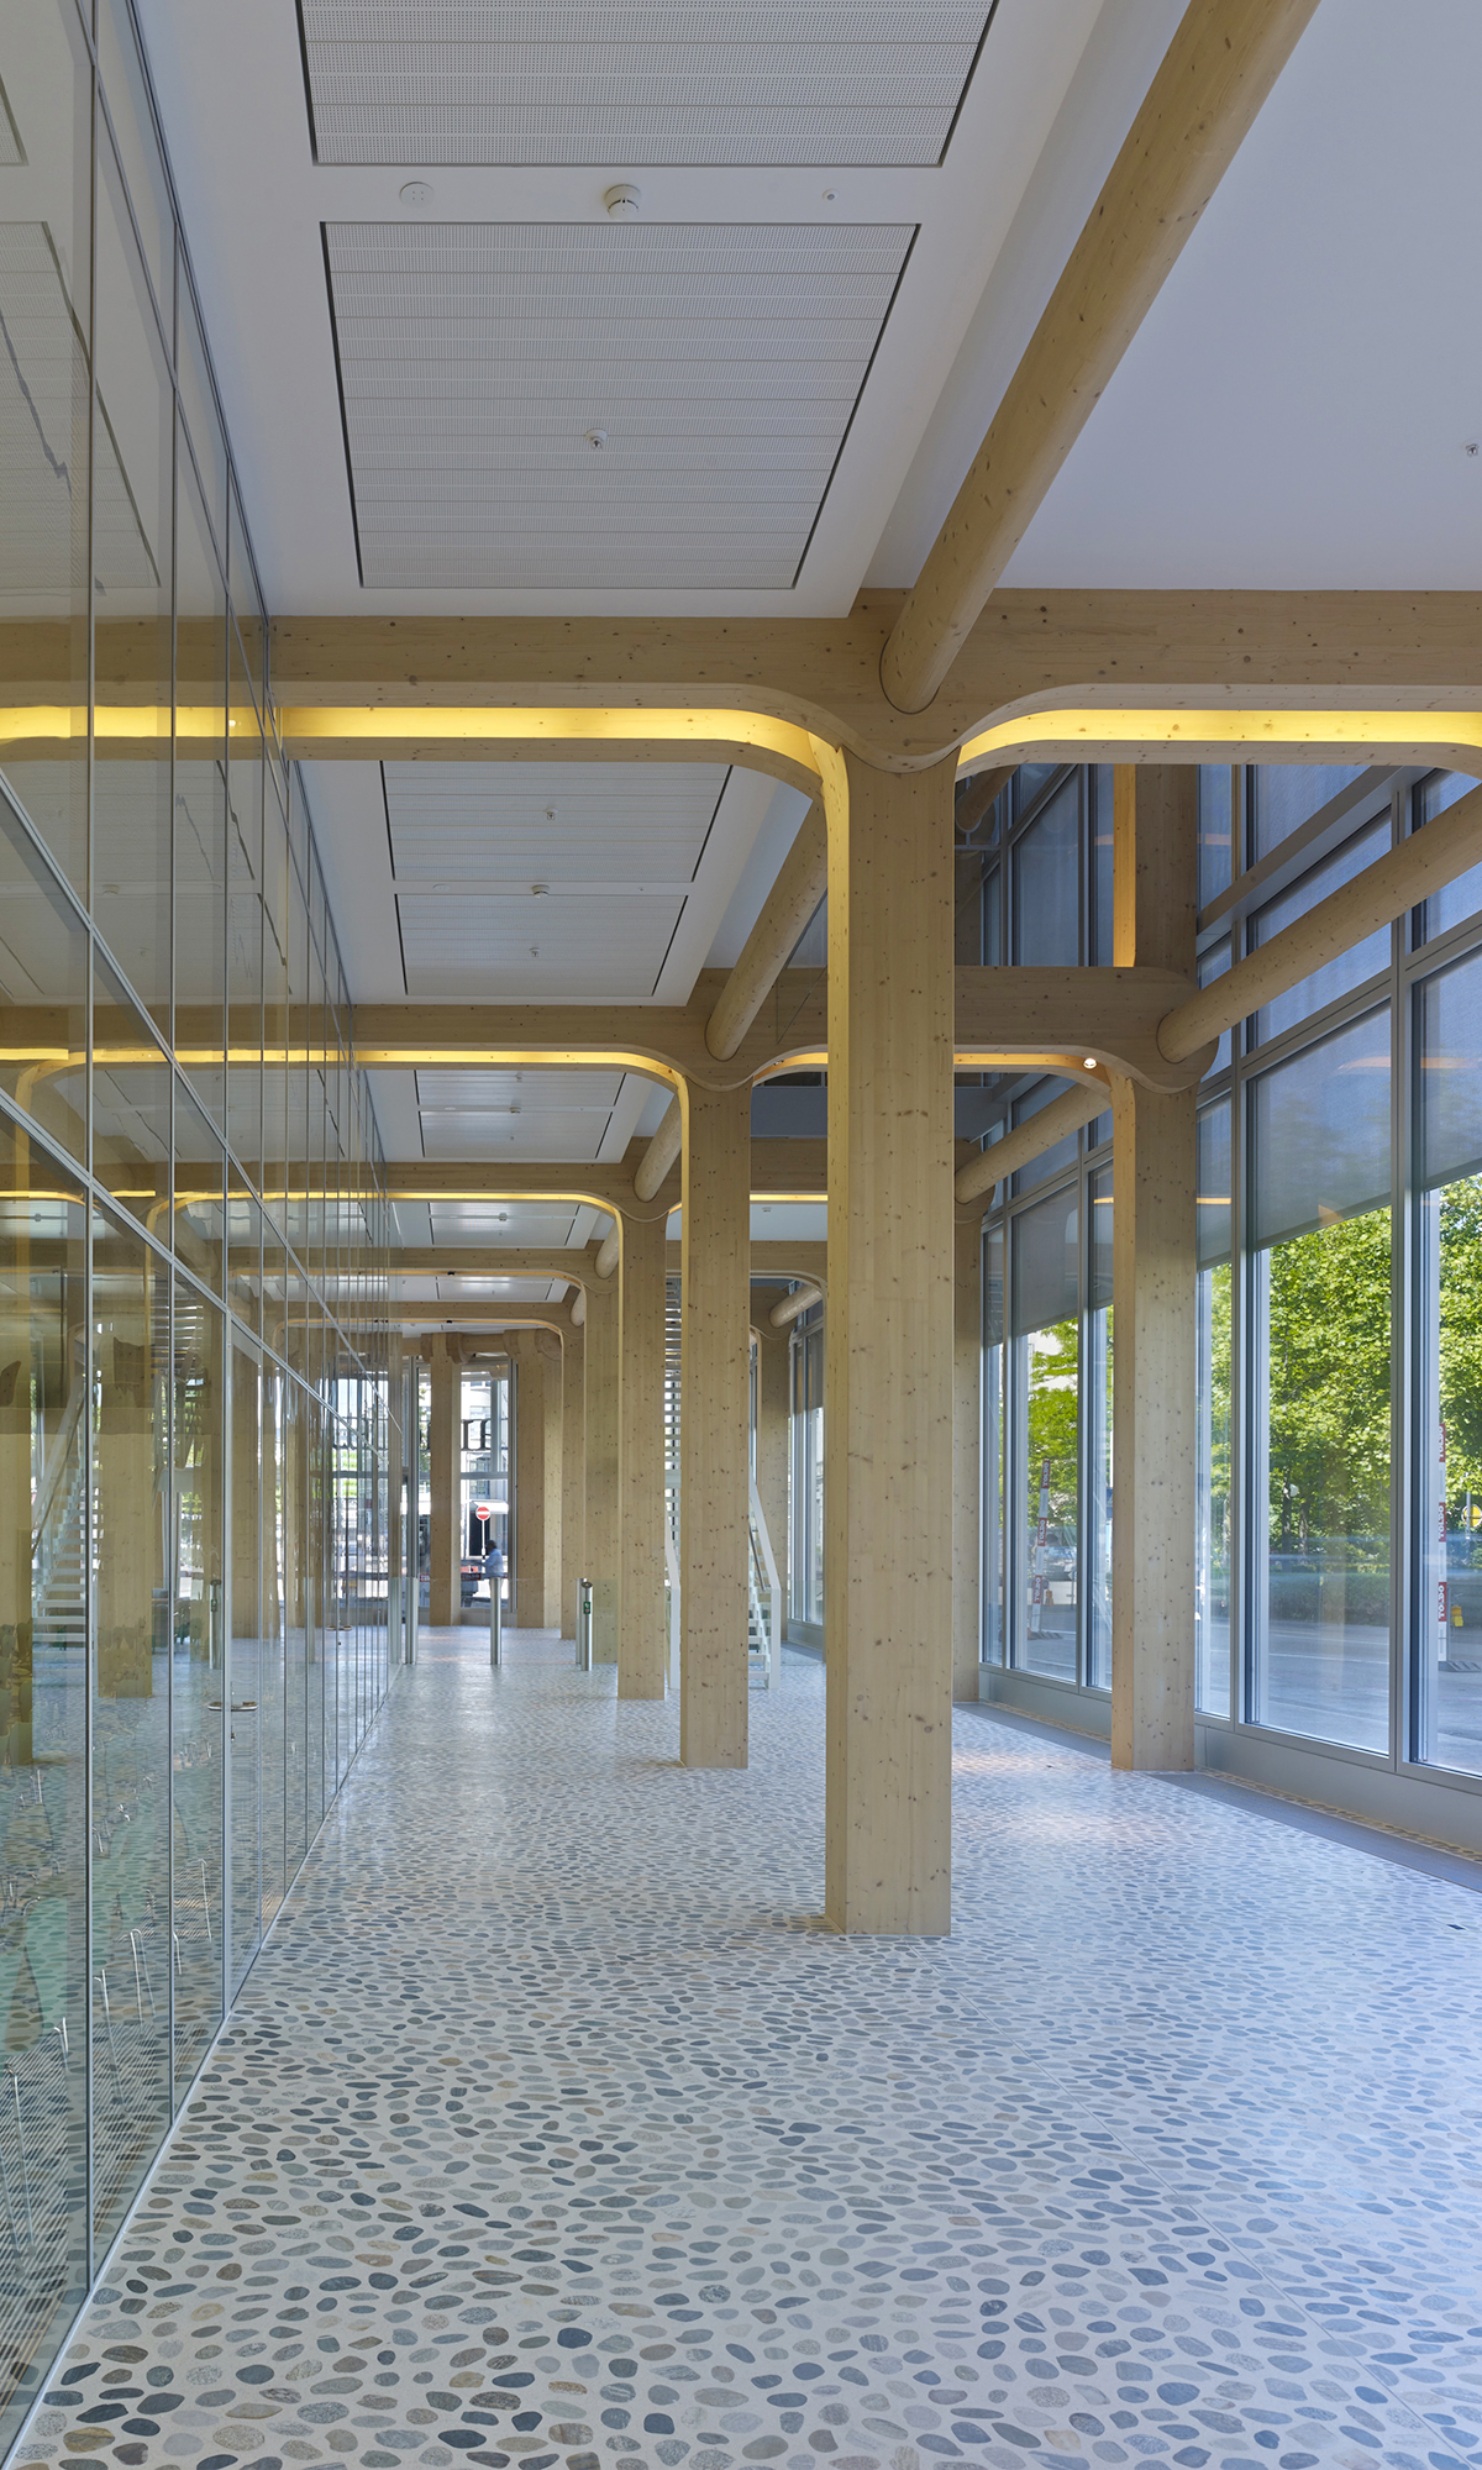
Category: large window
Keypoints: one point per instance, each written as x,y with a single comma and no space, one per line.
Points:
193,1367
1337,1305
805,1559
1319,1293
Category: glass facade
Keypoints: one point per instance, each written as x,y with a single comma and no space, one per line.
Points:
1338,1604
805,1558
195,1410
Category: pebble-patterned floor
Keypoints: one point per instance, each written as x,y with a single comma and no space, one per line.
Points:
549,2131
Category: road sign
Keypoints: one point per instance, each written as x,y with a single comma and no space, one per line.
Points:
483,1509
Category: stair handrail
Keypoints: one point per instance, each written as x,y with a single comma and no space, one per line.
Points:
769,1564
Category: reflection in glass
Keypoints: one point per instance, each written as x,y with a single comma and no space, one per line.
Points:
131,1717
43,1687
43,990
1047,881
1044,1326
1212,1441
1285,795
1320,1310
198,1660
993,1449
242,1693
45,389
1463,898
1448,1630
1099,1354
1351,968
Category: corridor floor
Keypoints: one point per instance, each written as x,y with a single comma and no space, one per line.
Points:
549,2129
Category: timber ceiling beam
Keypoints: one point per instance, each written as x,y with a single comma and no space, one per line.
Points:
1223,61
781,1170
1029,653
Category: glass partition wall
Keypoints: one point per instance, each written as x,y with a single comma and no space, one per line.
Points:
1338,1303
194,1433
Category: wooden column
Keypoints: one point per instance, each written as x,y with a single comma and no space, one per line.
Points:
773,1442
548,1347
888,1383
573,1473
602,1520
714,1426
527,1611
642,1644
967,1454
445,1465
1153,1294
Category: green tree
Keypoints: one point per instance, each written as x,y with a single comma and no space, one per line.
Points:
1329,1383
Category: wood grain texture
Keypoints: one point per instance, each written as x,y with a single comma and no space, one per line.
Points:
1154,1266
1224,58
888,1370
603,1517
714,1428
642,1639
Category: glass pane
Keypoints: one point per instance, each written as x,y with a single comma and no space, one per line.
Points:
199,1213
243,1680
1216,837
126,98
1322,1351
1447,1688
295,1498
198,400
198,1660
245,771
271,1670
200,801
1212,1439
1046,878
1044,1245
1213,964
1101,790
1051,1162
993,1449
43,1678
1463,898
131,1719
1100,1328
133,550
1285,795
43,991
131,1105
1351,968
45,387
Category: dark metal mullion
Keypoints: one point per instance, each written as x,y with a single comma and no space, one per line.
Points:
1404,1352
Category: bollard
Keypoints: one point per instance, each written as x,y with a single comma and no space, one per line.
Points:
496,1625
584,1625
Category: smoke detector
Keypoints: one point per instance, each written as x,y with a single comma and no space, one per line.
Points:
622,202
415,192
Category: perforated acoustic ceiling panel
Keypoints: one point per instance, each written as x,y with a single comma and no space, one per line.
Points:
718,366
840,82
550,822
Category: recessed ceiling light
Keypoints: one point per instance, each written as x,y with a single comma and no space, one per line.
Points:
415,192
623,201
1090,1062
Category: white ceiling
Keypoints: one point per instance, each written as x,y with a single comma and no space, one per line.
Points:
577,81
846,233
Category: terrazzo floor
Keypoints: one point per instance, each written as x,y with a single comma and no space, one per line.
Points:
550,2130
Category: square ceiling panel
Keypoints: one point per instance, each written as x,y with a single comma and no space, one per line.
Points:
533,1134
584,823
650,81
600,405
542,1092
487,945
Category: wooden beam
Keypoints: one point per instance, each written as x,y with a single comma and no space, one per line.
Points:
1027,649
801,883
666,1041
792,1307
1030,1140
661,1154
1424,863
1218,70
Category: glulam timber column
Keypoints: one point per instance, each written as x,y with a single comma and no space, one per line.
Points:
714,1426
642,1644
602,1523
527,1611
773,1437
444,1473
967,1453
889,1348
548,1347
1154,1268
573,1473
